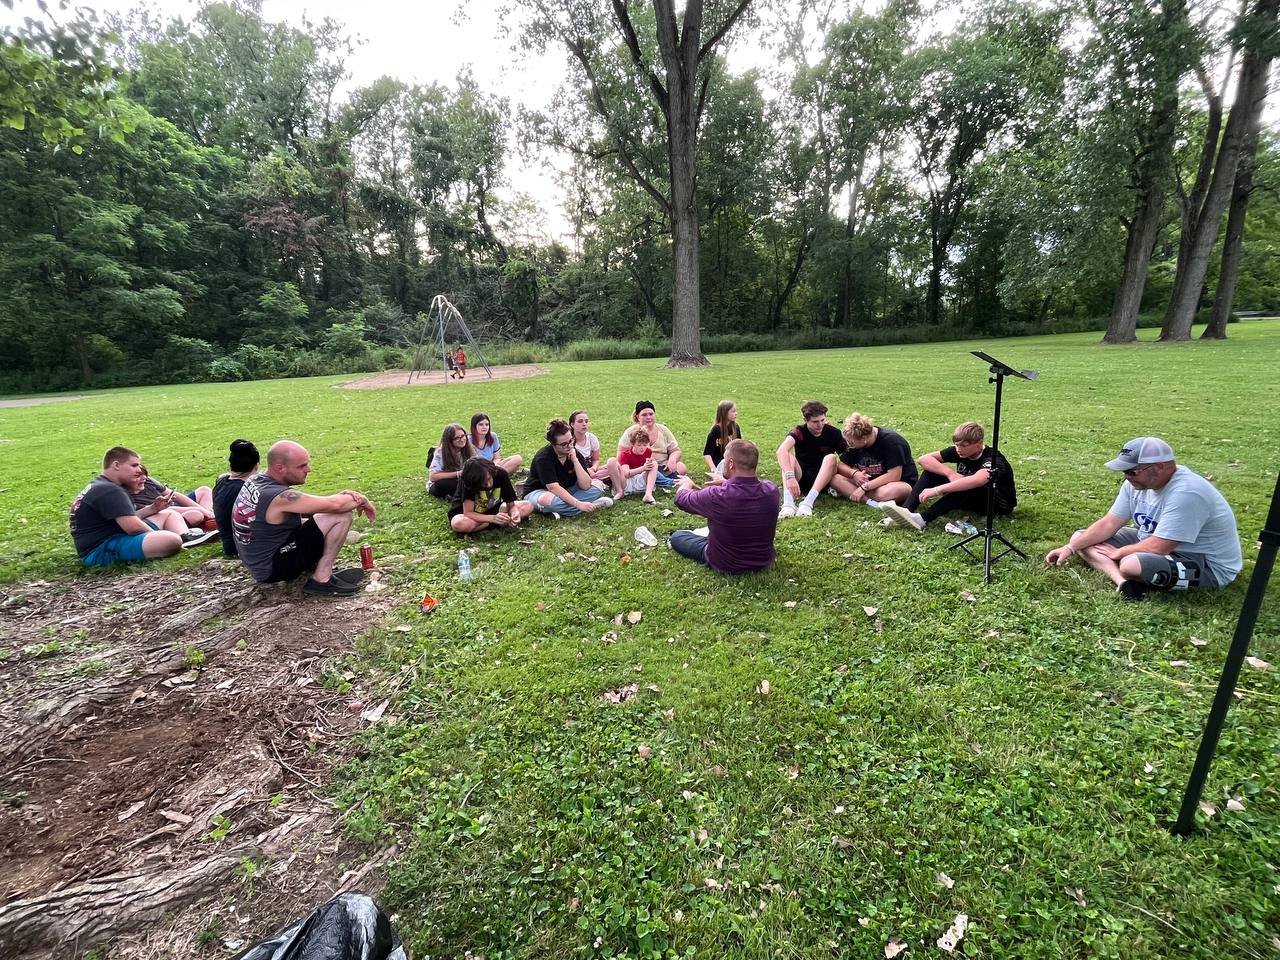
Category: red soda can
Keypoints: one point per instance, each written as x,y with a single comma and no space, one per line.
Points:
366,557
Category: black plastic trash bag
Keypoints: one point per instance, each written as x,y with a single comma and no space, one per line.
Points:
348,927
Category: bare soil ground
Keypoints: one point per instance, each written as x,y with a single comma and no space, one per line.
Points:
36,401
434,378
166,741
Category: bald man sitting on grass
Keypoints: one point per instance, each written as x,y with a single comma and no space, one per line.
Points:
282,533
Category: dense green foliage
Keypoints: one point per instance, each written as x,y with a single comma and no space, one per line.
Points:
216,209
1029,744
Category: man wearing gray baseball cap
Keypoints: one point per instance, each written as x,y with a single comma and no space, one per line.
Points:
1184,534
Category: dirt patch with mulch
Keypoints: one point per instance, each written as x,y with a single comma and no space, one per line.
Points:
167,740
435,378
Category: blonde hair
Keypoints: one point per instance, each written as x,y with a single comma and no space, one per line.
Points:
970,432
857,426
639,435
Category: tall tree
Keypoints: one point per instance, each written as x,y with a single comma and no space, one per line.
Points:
985,84
676,75
1233,242
1260,39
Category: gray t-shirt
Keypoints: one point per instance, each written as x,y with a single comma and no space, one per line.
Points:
1190,510
94,512
256,540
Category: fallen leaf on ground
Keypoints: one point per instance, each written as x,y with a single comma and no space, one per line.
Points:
879,625
137,695
1076,894
634,617
403,628
712,883
789,604
793,772
1235,804
133,808
624,559
1208,809
1257,663
175,816
644,751
864,921
1179,663
375,586
839,808
666,513
1197,642
763,688
948,942
893,948
573,904
842,842
870,611
967,595
191,676
1147,768
304,681
617,619
669,714
622,694
945,880
610,637
653,688
374,714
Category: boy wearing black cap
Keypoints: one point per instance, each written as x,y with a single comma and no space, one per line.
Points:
1184,534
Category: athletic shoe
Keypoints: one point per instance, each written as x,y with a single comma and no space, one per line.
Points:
604,502
350,575
193,538
787,512
553,515
333,587
902,517
1133,591
804,510
873,504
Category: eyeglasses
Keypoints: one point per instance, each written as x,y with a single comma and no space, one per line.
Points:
566,443
1134,471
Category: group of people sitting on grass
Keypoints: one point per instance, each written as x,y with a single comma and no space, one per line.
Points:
1184,533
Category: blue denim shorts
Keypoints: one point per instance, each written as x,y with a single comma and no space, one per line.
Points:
122,548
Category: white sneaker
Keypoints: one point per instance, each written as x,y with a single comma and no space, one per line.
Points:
604,502
787,512
873,504
902,517
804,510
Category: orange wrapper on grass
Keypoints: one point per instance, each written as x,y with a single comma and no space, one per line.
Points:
429,603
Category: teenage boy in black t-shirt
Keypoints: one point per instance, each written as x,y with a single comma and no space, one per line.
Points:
485,498
807,459
941,489
878,467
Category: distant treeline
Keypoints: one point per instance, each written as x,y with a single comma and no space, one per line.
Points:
223,214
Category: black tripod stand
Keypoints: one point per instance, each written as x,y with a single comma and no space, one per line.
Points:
988,533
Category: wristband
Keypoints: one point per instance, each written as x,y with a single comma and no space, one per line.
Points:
788,475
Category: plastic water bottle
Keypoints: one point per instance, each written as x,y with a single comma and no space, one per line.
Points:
464,565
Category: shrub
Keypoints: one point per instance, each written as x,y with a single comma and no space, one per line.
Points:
227,370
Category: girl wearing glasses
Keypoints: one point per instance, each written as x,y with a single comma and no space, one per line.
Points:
559,482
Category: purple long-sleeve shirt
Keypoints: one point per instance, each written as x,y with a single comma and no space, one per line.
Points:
742,513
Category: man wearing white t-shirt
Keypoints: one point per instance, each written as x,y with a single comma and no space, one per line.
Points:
1184,534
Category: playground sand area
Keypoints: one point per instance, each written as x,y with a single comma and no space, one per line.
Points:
434,378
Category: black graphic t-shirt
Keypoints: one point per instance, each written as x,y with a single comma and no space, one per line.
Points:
890,449
996,465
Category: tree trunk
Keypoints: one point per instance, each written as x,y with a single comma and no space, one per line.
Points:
681,60
1233,244
1141,240
1251,92
82,352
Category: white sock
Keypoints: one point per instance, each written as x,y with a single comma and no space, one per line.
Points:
812,498
787,499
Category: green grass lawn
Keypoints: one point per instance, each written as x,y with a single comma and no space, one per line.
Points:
1029,745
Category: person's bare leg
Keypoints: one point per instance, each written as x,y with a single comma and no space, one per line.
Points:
843,486
334,526
204,497
512,463
522,509
651,477
825,473
191,516
616,480
677,468
170,520
1093,558
896,492
160,543
462,524
1131,567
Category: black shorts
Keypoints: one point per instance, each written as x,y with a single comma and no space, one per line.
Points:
808,473
299,554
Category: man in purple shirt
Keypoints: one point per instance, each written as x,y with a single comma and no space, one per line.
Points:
742,515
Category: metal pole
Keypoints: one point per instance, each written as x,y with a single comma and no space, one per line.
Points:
1270,538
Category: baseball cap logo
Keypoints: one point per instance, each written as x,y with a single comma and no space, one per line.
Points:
1126,451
